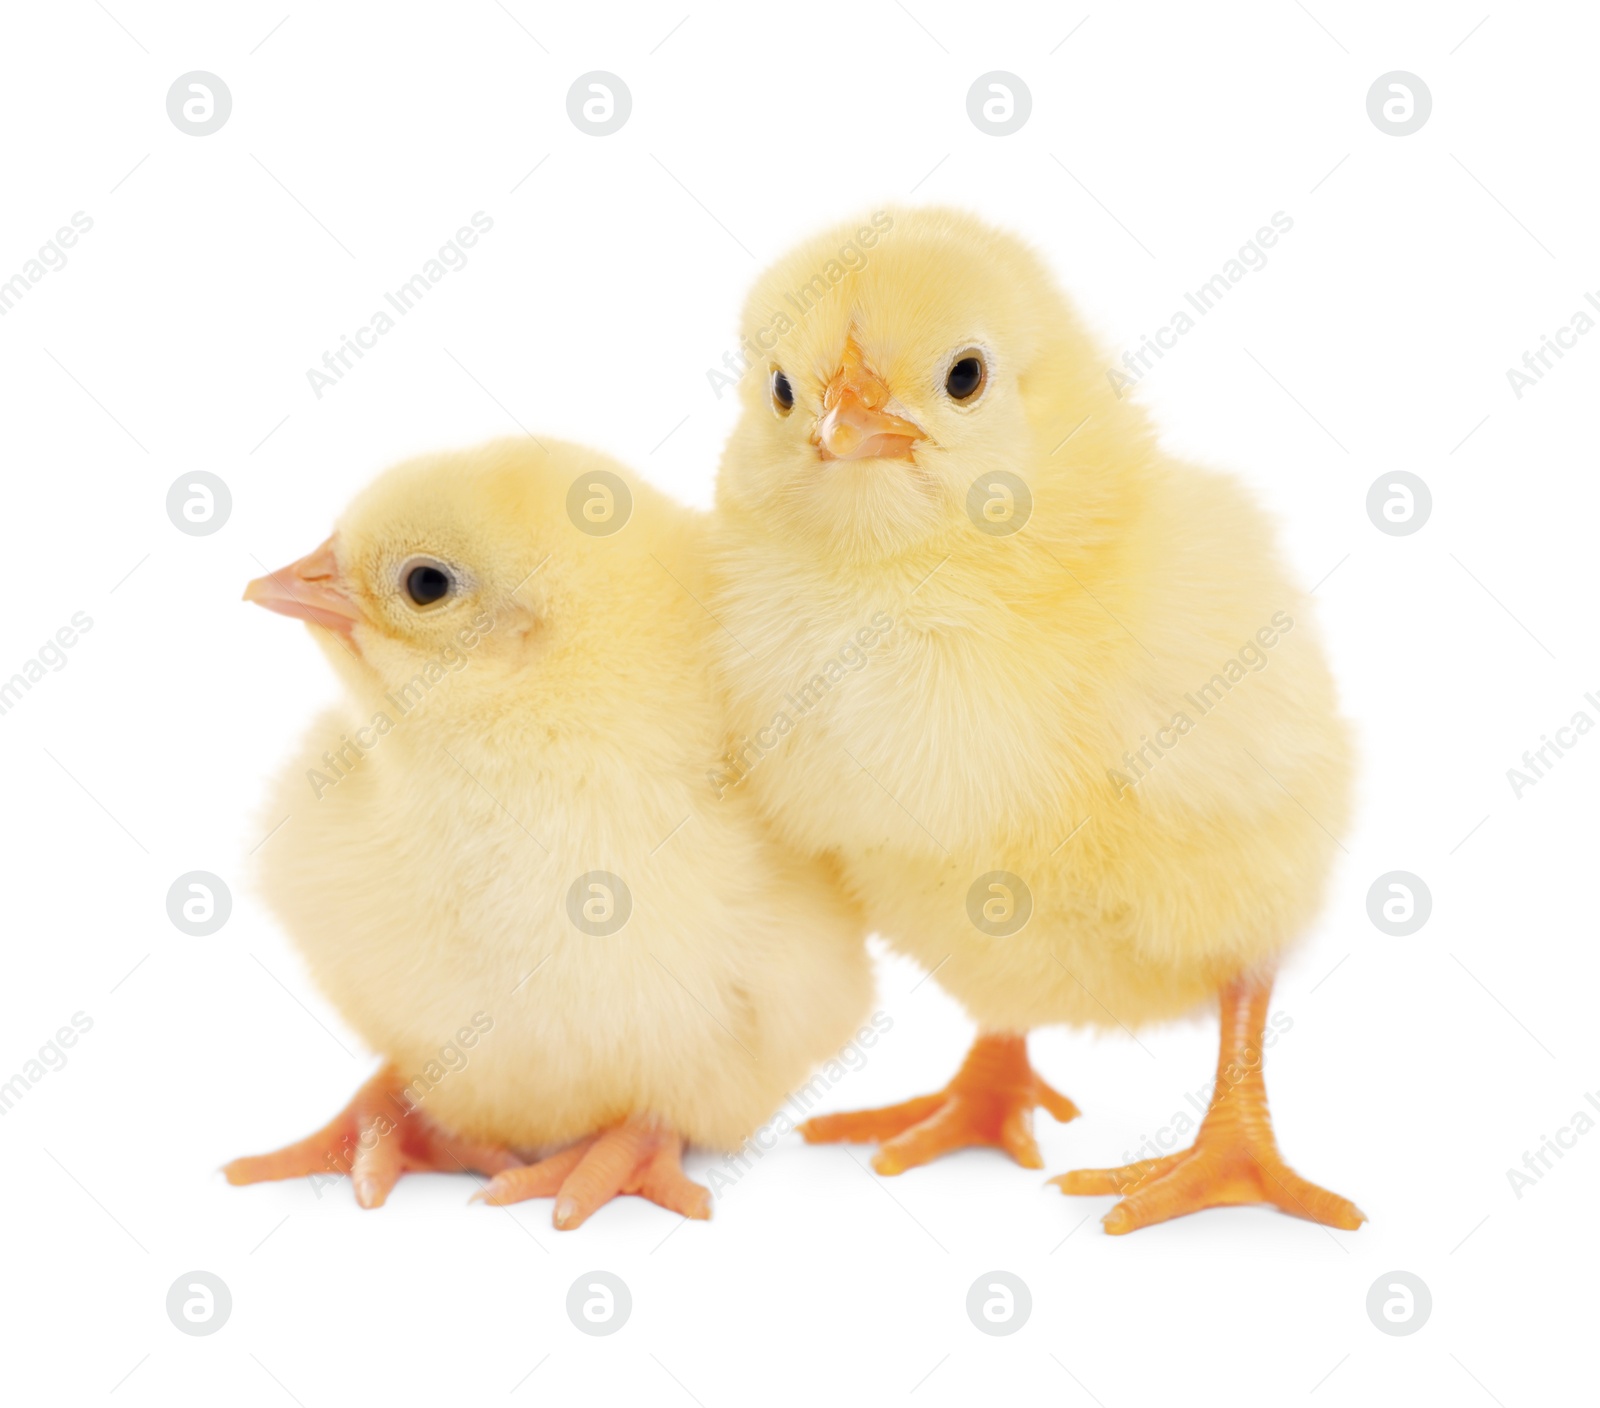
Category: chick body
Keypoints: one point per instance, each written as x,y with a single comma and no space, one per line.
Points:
1025,670
432,887
996,719
1095,772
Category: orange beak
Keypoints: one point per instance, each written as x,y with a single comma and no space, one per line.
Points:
854,424
310,589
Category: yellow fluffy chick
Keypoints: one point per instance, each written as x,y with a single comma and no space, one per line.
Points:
502,861
1082,757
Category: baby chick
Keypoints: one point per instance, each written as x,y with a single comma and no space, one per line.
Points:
1092,770
503,862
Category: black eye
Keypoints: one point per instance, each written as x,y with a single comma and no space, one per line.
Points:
426,584
966,377
782,393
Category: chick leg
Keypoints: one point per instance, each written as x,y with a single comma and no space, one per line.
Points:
990,1101
375,1139
1234,1158
637,1156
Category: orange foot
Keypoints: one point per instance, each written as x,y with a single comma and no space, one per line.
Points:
376,1137
990,1101
636,1156
1234,1158
1209,1175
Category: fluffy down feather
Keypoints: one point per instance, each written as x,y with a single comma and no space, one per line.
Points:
998,725
551,718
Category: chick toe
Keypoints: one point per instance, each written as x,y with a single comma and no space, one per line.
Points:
1234,1158
639,1157
1225,1175
376,1139
989,1102
870,1126
1090,1181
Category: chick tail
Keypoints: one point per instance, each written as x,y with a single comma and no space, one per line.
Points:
1234,1158
638,1156
990,1101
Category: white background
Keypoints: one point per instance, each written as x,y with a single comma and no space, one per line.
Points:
1377,338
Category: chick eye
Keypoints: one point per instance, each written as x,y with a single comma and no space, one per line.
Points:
782,393
427,583
966,378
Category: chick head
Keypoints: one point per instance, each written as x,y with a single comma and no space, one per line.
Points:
460,558
895,361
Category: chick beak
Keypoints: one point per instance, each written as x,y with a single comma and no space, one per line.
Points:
855,424
311,589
